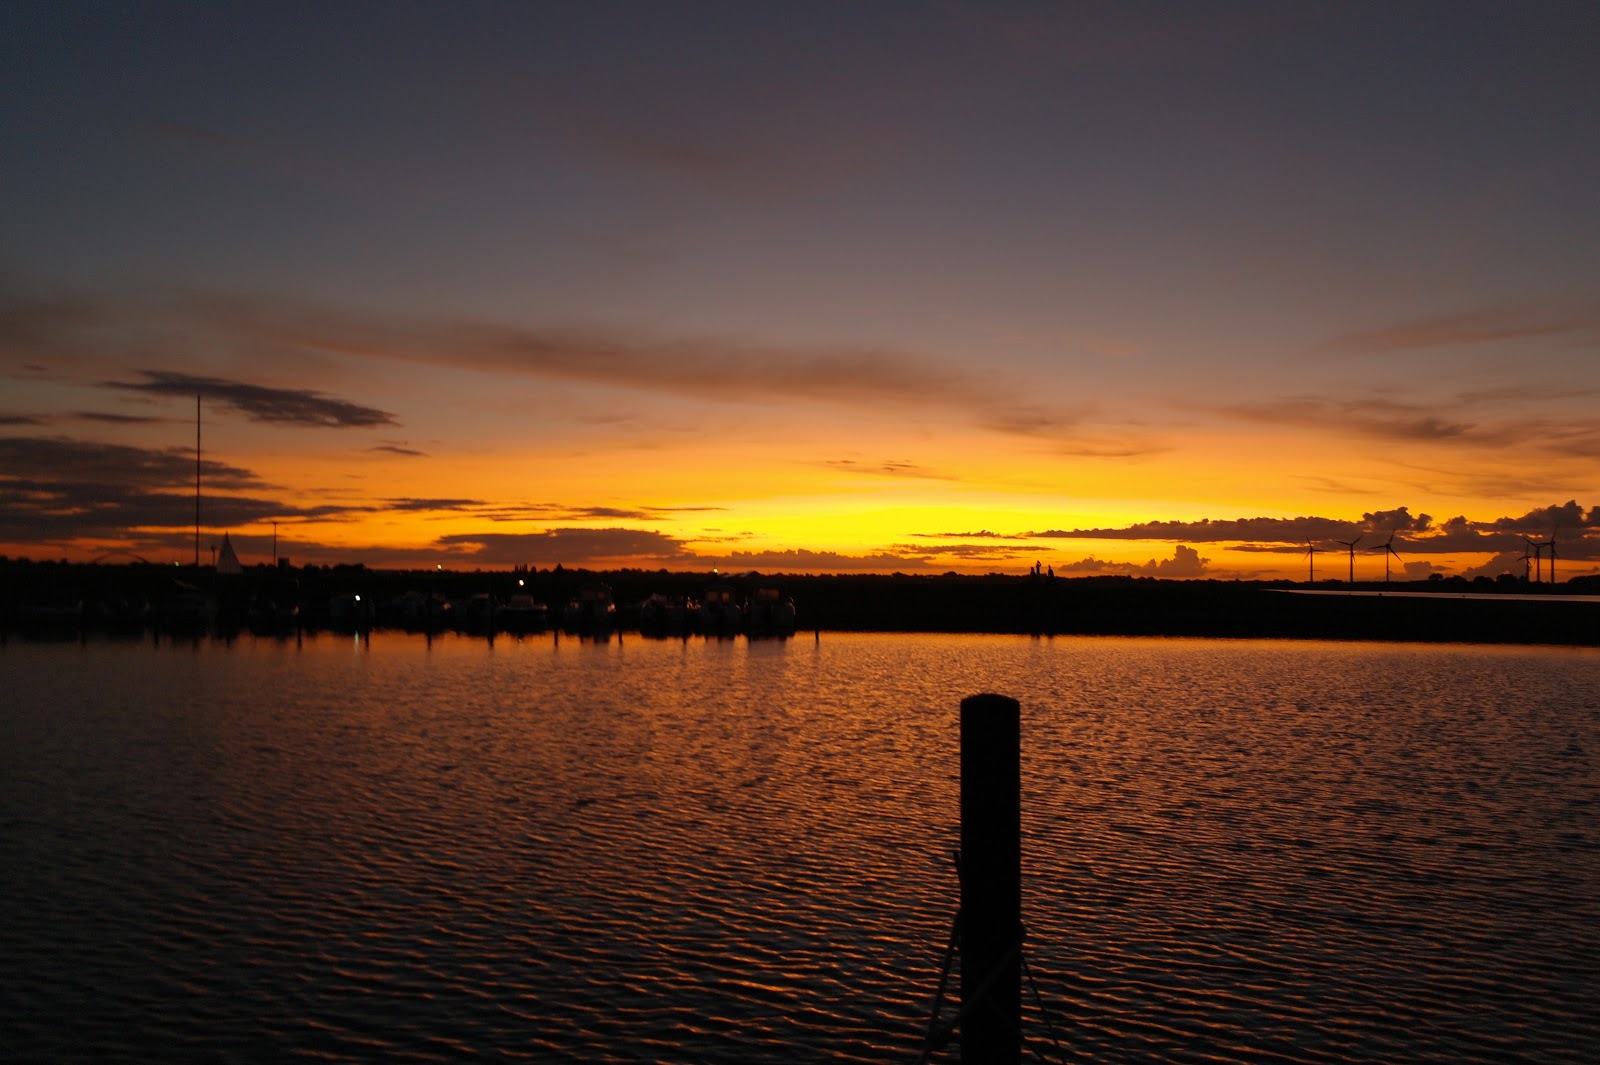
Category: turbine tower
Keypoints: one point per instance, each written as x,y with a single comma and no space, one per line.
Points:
1387,547
1311,562
1528,553
1351,544
1538,547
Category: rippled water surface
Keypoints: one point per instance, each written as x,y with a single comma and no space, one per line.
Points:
730,851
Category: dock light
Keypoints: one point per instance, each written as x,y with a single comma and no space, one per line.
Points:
358,599
520,582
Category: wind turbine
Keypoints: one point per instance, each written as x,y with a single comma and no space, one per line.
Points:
1529,552
1387,547
1311,562
1538,557
1351,544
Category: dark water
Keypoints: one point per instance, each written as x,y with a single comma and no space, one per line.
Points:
730,852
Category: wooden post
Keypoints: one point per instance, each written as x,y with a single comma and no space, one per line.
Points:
991,880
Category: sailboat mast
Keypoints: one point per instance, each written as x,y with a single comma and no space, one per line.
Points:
197,480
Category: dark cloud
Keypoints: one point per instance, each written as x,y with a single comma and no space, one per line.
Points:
592,547
56,513
981,534
600,547
119,419
1207,530
1398,520
1185,564
559,512
19,419
1414,533
803,561
60,460
286,406
1568,515
54,490
414,505
396,449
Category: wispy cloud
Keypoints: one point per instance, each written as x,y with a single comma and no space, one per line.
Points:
285,406
1480,420
78,332
1381,418
396,449
1474,327
885,468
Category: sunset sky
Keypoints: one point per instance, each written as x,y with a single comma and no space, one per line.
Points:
1164,289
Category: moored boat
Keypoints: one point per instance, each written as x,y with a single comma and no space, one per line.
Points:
771,613
719,612
663,615
592,611
522,613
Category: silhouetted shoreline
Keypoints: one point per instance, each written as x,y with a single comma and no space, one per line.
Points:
35,595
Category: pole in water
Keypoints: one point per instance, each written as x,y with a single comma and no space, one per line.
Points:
991,880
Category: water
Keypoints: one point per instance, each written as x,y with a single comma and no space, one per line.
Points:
729,851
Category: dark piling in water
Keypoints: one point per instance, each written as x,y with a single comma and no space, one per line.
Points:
991,880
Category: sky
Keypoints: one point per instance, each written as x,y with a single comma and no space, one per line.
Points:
1163,289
